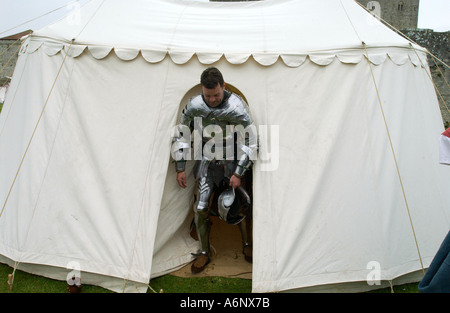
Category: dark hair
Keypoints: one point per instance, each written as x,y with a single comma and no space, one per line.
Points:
211,77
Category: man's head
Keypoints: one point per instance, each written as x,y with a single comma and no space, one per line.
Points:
213,86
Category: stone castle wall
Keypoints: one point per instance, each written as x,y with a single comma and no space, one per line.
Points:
438,45
7,68
402,14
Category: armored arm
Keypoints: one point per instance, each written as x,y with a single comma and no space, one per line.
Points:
247,140
181,141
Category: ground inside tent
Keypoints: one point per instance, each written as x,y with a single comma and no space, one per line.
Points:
227,258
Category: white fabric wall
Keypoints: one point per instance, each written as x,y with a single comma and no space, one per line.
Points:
91,184
98,172
335,202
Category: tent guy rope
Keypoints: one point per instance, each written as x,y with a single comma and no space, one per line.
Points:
9,60
393,155
400,33
9,47
387,130
38,17
34,131
431,78
16,264
439,69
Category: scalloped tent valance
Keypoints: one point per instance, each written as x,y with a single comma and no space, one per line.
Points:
266,30
399,56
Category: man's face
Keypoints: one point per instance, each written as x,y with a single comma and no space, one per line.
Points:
213,97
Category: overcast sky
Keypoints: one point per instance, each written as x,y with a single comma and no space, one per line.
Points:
433,14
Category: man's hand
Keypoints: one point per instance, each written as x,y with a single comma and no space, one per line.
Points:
181,179
235,182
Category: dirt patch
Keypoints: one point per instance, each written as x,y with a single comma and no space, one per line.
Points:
227,259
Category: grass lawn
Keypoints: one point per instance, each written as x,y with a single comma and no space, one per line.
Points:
28,283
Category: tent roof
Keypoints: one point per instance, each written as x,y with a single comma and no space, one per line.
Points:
266,30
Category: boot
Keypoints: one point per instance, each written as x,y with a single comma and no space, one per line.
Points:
203,227
248,253
246,246
200,263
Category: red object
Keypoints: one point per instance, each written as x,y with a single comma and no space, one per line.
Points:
446,133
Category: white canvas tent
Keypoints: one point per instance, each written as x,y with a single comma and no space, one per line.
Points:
347,185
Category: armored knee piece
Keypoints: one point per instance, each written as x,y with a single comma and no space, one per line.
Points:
201,214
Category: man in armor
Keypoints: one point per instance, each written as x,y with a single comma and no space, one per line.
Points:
215,112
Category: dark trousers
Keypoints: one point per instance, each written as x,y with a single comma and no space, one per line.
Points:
437,277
